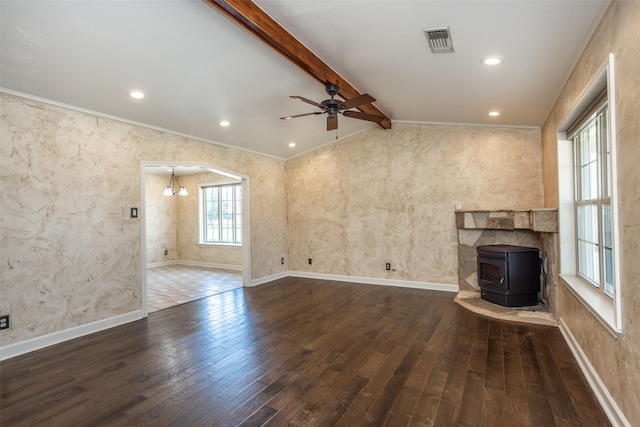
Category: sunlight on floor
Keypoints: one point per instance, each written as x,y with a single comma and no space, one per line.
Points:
176,284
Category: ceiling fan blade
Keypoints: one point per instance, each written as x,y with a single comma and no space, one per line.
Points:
332,122
308,101
301,115
363,116
358,100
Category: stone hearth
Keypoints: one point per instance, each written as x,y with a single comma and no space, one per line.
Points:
534,228
537,314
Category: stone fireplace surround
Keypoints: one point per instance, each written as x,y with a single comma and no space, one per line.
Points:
535,228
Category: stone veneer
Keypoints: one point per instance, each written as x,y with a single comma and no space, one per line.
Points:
534,228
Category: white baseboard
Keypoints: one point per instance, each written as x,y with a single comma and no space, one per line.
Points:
615,415
161,264
211,265
375,281
233,267
270,278
43,341
23,347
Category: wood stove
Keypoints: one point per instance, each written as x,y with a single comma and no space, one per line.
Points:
509,275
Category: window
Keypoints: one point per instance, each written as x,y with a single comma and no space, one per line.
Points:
587,194
592,159
221,208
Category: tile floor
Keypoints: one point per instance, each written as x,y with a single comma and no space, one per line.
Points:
176,284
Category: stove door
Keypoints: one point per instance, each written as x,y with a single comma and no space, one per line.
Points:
492,273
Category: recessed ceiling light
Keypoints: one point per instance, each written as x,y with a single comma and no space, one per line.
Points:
136,94
292,144
492,60
494,113
225,123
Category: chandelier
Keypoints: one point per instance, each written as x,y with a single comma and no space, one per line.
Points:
170,189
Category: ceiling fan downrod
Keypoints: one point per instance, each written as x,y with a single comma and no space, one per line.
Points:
332,107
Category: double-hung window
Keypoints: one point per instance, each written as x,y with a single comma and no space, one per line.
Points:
221,214
592,160
587,214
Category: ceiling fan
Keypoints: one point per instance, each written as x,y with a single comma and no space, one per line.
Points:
332,107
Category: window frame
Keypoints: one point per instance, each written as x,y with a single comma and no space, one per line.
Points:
605,309
600,120
236,217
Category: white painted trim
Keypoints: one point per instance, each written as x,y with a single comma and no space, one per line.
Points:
246,219
161,264
484,125
27,346
270,278
58,337
210,265
598,304
142,217
246,231
131,122
331,142
376,281
615,415
603,77
613,176
414,122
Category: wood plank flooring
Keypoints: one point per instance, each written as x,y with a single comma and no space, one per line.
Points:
305,352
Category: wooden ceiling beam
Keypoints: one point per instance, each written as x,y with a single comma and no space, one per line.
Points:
256,21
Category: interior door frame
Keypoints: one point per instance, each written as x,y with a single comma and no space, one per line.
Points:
246,220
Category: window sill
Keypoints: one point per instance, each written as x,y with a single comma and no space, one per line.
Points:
598,304
233,245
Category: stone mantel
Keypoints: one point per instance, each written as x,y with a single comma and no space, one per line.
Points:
533,228
539,220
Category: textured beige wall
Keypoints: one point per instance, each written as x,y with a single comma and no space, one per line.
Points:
389,196
617,361
161,215
173,223
189,228
70,254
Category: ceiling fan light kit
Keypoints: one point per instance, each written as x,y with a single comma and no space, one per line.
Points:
332,107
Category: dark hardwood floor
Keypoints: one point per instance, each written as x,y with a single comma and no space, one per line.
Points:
308,353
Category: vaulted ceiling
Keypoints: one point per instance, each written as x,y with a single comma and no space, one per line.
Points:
197,66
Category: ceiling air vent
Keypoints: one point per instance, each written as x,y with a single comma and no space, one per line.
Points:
439,39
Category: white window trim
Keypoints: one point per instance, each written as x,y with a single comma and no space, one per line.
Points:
201,241
608,311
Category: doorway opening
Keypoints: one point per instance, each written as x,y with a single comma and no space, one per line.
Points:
181,262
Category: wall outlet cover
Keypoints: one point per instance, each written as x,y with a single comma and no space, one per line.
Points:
4,322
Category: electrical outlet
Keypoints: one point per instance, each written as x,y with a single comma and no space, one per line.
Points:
282,260
310,261
388,266
4,322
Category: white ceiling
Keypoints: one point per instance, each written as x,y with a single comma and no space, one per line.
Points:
196,67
